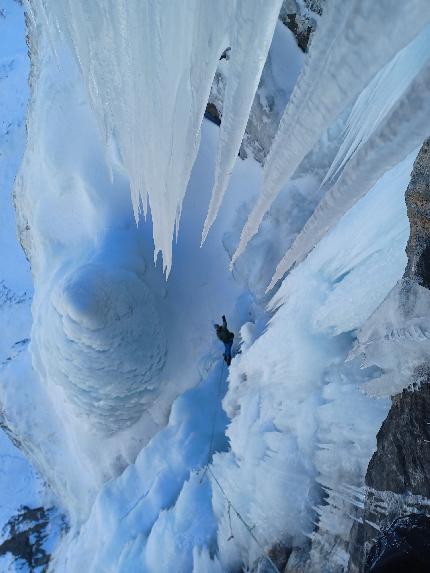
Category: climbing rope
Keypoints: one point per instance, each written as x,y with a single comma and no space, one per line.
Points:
229,522
140,498
246,525
208,469
214,421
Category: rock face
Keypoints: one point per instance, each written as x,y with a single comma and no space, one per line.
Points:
398,475
300,19
418,204
404,546
401,462
24,539
278,554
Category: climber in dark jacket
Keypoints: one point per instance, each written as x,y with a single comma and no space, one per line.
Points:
226,337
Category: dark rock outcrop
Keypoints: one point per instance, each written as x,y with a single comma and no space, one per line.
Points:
401,462
404,546
212,114
398,475
301,19
418,204
278,554
26,534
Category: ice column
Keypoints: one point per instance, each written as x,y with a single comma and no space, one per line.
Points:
375,102
353,42
404,129
148,67
252,26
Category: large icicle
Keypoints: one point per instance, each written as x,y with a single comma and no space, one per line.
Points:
253,25
375,102
404,129
148,69
353,42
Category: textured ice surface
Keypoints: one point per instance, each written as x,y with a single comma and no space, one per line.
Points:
375,102
396,340
298,412
402,130
96,331
103,314
158,512
148,69
353,41
99,335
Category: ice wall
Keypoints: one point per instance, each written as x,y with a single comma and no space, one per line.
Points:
97,334
300,431
112,345
148,69
396,340
103,318
376,101
96,331
76,316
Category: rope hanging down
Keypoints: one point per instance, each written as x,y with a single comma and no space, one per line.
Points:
214,421
208,469
247,527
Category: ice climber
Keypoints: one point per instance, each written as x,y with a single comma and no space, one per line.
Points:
226,337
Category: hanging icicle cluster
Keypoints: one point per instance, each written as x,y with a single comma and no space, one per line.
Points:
149,69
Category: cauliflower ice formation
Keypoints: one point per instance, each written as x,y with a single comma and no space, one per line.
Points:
98,335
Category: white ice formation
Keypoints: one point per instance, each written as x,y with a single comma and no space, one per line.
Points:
353,42
402,130
133,56
158,143
250,44
193,468
397,340
376,101
105,344
291,420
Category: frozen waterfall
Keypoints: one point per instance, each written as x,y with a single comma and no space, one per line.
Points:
400,130
111,376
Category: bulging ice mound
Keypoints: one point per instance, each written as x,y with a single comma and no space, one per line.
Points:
100,338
